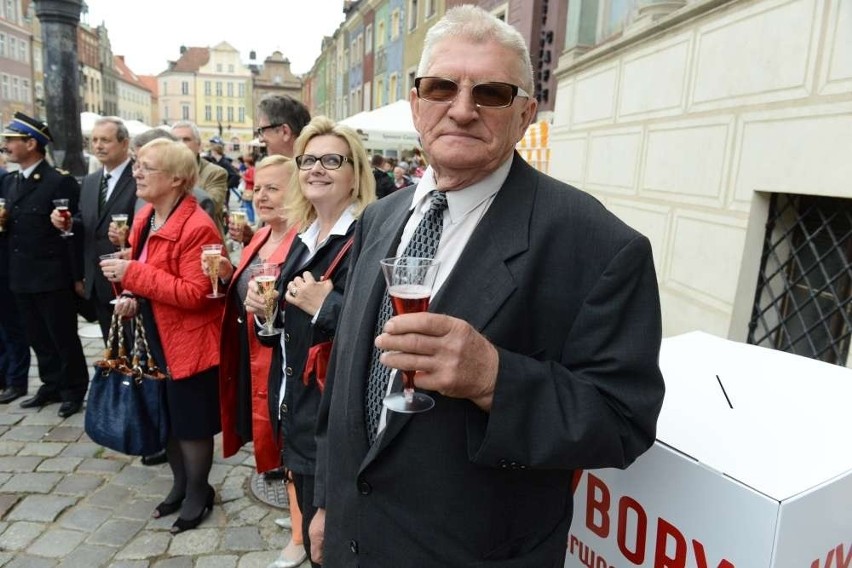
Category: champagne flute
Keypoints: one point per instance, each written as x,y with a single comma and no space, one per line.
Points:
410,280
239,217
116,287
212,255
120,220
62,206
265,275
2,208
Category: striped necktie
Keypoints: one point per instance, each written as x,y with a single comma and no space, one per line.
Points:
102,194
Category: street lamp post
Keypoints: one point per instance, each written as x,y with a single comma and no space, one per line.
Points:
59,20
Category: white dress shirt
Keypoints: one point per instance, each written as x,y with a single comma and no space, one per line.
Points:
114,174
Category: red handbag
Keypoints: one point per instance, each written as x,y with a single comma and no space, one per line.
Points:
319,354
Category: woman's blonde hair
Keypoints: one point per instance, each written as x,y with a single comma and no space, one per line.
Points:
298,209
175,159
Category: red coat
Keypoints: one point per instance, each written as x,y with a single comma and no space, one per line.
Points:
267,453
172,280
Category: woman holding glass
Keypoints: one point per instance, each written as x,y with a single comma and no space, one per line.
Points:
165,282
244,362
334,185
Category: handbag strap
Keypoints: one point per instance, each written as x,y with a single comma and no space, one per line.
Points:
141,348
337,259
115,345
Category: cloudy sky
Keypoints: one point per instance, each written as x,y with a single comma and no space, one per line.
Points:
150,33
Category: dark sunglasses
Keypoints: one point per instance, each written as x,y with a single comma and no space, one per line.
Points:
492,94
328,161
261,129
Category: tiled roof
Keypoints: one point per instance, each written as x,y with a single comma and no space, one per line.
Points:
191,60
126,74
150,82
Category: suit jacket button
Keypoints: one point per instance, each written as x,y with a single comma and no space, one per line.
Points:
353,546
289,371
283,408
286,338
364,487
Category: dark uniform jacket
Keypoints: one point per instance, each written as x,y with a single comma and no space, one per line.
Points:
39,259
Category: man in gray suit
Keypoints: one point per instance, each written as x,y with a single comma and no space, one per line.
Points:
539,348
108,191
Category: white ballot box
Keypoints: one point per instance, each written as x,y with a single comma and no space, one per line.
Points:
752,468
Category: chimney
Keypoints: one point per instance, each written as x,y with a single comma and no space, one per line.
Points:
182,49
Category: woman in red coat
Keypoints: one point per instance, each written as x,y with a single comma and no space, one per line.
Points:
244,366
169,288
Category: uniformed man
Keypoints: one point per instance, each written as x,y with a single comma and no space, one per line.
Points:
42,266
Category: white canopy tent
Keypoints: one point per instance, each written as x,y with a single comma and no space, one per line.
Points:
386,128
87,122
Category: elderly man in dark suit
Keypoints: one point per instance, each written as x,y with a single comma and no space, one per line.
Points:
540,345
42,270
106,192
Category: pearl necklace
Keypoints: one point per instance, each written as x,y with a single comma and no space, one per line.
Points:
154,227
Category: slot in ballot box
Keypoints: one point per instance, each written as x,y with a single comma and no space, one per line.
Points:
752,468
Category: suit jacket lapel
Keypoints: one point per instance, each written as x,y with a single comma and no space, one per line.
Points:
121,187
89,199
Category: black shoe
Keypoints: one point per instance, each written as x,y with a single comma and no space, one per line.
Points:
12,393
155,459
165,508
40,399
182,524
68,408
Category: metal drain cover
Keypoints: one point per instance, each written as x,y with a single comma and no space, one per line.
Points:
273,492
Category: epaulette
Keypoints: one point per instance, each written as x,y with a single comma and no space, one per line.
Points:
63,172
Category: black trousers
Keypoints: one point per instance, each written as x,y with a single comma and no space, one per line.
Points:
14,347
50,321
104,310
305,495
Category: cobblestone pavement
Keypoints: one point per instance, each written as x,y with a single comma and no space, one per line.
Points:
65,501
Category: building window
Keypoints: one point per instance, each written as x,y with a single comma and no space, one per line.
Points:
218,68
242,114
395,24
184,87
380,35
218,88
25,90
412,15
368,38
208,88
13,47
380,93
184,112
230,114
23,51
208,113
16,95
231,68
430,8
613,17
393,87
2,45
803,289
230,89
241,90
219,113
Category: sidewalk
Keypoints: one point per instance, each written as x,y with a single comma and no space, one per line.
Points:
65,501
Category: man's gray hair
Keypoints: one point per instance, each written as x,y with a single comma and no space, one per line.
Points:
141,139
121,132
475,24
188,124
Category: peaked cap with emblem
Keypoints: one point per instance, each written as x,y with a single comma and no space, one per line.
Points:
23,126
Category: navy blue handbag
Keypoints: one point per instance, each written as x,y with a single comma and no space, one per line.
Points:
126,408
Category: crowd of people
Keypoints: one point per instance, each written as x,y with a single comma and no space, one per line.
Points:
539,346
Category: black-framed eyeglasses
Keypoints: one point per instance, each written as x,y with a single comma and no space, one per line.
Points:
491,94
261,129
327,161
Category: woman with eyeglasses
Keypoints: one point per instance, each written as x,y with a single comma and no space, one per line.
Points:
334,185
165,282
245,363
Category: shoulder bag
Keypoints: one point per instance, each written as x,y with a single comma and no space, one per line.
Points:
126,408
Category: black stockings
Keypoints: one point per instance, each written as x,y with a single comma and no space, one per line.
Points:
190,461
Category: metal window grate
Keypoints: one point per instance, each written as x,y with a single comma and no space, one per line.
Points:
802,303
